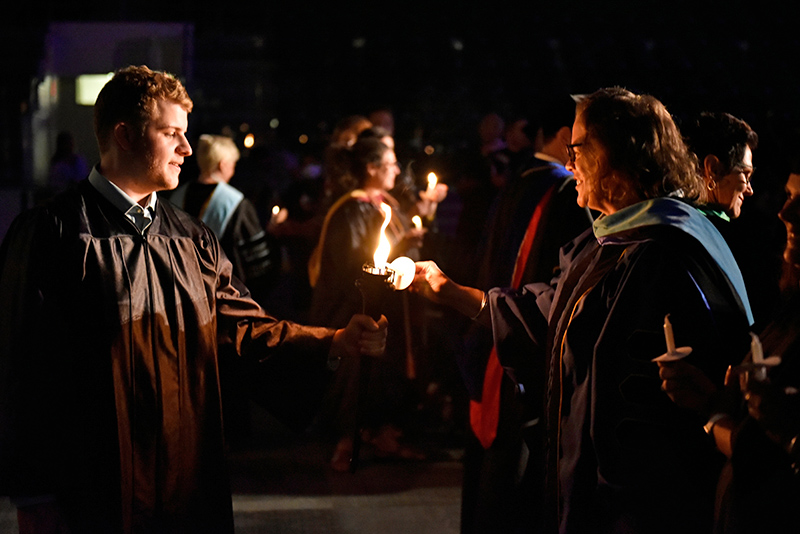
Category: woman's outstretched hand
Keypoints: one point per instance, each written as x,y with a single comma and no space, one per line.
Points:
433,284
430,281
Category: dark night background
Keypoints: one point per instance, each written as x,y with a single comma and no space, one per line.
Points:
440,65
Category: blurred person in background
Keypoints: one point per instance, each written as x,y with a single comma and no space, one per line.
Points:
349,240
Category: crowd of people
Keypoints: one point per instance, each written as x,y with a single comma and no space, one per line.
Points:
583,244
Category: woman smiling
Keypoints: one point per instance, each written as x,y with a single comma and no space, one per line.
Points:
619,457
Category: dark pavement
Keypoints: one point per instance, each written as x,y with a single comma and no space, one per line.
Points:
282,484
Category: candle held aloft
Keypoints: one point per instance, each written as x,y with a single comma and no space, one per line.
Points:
668,335
756,350
673,353
432,181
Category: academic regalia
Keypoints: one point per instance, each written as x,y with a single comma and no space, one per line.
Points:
534,214
621,457
109,383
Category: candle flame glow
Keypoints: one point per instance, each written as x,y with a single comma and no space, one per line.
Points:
384,247
432,181
417,222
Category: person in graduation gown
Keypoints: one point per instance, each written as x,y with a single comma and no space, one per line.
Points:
725,146
350,236
254,255
755,419
618,456
232,217
114,305
534,214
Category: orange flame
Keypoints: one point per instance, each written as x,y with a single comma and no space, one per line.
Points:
384,247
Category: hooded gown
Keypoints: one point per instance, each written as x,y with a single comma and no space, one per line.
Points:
619,455
109,380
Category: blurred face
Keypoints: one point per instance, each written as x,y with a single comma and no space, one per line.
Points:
227,168
729,192
383,174
585,163
790,215
163,148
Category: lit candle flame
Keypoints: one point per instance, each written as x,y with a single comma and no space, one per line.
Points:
432,181
384,247
276,209
417,222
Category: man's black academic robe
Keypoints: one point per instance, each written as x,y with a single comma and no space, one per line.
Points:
109,383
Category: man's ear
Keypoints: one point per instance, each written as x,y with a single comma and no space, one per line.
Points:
711,167
123,136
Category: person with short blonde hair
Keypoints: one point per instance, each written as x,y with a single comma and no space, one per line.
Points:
214,150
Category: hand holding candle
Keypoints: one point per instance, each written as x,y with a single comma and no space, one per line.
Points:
672,353
432,181
756,369
431,196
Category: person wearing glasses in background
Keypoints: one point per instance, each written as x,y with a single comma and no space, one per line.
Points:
724,146
618,456
348,240
755,419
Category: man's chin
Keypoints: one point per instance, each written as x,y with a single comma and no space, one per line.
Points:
171,183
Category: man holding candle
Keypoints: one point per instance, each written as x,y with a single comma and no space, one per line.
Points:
114,306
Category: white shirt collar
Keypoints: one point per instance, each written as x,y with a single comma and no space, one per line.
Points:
142,217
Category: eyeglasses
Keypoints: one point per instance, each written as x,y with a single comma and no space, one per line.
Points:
571,151
745,170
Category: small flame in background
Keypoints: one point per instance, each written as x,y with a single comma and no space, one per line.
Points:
384,247
417,222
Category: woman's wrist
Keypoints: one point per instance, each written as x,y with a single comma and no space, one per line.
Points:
484,301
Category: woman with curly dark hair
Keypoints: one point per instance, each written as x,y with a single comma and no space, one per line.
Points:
615,454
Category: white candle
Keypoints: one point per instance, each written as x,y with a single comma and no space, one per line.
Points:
670,338
755,349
